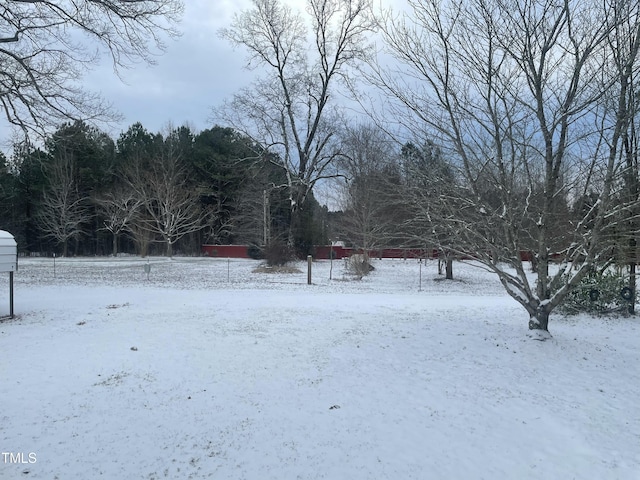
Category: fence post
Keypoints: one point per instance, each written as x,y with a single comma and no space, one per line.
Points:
309,259
11,294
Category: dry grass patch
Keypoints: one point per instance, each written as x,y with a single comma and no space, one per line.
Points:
276,269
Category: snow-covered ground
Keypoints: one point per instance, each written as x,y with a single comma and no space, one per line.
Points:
207,370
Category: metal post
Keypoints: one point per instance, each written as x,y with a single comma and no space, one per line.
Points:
11,294
331,264
309,260
228,269
420,287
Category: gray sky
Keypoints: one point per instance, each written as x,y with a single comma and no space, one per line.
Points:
198,71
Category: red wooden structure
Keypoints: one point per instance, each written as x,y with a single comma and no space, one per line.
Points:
325,252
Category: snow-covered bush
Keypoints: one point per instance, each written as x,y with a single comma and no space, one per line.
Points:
599,292
358,265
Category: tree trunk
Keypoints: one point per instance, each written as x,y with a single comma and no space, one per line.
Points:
295,223
293,217
115,245
291,240
539,320
449,268
169,249
632,276
65,248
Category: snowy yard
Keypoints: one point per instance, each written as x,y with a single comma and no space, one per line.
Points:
207,370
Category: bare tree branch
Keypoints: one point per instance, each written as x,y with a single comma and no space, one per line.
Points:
522,99
46,47
63,212
171,208
289,112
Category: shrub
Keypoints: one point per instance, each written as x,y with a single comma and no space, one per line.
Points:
358,265
255,252
278,255
598,292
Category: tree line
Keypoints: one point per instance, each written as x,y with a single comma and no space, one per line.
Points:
83,193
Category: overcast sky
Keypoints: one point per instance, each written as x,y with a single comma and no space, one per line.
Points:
198,71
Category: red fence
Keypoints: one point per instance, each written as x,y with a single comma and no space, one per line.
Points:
325,252
322,252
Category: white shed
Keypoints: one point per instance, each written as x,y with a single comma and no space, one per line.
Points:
8,261
8,252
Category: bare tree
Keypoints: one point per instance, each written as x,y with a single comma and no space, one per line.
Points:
370,217
521,95
252,222
171,207
119,208
291,111
623,43
63,211
46,46
140,232
427,177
